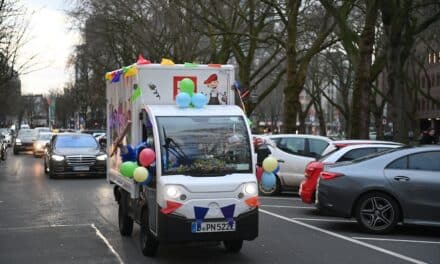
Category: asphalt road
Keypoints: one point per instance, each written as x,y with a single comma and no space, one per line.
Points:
74,220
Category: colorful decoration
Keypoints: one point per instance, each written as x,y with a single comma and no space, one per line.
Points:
147,157
187,86
116,76
130,71
268,181
140,174
108,76
127,154
200,213
253,201
127,168
277,169
190,65
270,164
136,93
142,61
199,100
183,100
259,173
166,62
212,65
228,213
171,207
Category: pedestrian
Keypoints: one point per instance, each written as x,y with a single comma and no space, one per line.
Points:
428,137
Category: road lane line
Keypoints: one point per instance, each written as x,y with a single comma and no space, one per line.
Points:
323,220
357,242
397,240
39,227
100,235
287,206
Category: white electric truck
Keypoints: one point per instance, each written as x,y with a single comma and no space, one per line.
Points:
204,186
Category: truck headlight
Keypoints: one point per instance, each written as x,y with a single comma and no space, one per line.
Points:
57,157
250,189
172,191
101,157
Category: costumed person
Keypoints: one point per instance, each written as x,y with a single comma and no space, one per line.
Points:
214,94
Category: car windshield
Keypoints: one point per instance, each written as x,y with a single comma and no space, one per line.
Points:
27,133
204,146
75,141
44,136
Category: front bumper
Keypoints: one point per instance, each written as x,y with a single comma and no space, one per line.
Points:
24,146
62,168
174,228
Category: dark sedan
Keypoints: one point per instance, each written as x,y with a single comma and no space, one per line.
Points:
74,154
402,185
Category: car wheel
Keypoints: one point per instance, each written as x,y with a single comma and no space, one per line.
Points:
233,246
149,243
274,191
46,170
124,220
377,213
52,174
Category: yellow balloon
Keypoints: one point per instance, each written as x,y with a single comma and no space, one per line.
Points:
166,62
140,174
270,164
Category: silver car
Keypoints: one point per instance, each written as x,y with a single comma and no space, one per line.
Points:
400,185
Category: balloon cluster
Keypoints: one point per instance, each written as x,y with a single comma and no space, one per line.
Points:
187,97
140,174
266,174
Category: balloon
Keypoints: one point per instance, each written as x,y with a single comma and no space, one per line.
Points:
146,157
166,62
140,174
199,100
270,164
277,169
259,173
190,64
183,100
127,168
142,61
187,86
268,181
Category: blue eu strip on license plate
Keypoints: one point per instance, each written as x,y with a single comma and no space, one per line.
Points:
211,227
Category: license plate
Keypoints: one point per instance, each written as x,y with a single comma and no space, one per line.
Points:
81,168
212,227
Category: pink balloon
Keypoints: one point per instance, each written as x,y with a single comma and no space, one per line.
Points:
259,173
146,157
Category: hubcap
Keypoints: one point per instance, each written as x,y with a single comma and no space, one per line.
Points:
377,213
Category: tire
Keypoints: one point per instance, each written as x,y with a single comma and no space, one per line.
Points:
149,243
377,213
124,220
274,191
45,168
233,246
52,175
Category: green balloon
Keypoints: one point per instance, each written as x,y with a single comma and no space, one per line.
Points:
187,86
127,168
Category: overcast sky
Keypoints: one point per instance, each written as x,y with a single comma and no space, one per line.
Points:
52,41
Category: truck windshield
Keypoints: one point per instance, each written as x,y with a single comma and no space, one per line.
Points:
204,145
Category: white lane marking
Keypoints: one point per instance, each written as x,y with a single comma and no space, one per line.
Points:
39,227
324,220
100,235
397,240
288,206
279,198
388,252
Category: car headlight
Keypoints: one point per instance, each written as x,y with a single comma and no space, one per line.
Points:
250,188
57,158
102,157
172,191
18,140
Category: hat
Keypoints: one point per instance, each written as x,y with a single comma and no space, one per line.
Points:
211,78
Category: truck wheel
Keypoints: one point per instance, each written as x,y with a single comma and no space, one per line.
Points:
125,221
149,243
233,246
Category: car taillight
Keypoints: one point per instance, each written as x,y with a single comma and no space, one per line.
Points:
326,175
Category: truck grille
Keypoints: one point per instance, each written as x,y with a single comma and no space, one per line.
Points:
81,160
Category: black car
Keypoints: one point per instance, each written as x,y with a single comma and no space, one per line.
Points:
74,154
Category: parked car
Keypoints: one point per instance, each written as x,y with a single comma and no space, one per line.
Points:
40,144
3,148
295,151
74,154
25,140
314,168
7,139
43,129
402,185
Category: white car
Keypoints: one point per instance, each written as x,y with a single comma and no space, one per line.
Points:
295,151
